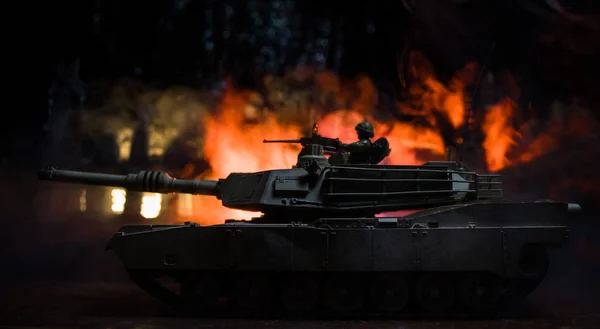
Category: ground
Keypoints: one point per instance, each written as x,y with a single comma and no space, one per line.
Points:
117,305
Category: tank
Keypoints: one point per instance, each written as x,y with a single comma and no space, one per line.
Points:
331,238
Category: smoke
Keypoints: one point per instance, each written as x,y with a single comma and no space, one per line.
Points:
571,286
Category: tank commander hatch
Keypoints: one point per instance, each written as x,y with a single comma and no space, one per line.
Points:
360,152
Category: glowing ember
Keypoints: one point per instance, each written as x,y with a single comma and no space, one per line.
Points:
124,137
399,213
151,205
83,201
118,200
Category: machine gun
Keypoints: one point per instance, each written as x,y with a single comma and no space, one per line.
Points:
328,144
317,145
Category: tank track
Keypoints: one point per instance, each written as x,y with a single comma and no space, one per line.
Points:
337,294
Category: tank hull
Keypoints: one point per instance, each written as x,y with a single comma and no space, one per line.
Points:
457,250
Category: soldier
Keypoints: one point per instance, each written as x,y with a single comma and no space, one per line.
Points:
360,152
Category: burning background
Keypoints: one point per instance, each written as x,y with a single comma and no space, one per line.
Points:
193,87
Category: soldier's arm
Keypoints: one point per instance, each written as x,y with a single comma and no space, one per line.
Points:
359,146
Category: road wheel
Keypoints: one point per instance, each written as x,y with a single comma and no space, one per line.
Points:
299,292
479,291
435,293
253,292
390,293
201,290
344,294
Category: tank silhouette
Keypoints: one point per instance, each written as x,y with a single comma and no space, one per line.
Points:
323,240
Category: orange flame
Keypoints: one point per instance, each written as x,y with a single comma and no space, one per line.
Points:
499,134
232,137
501,138
231,144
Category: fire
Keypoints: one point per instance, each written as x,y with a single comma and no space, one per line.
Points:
427,95
118,198
151,205
231,144
451,103
233,139
233,136
499,134
233,125
507,146
404,138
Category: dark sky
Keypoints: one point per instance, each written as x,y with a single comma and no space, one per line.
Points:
132,33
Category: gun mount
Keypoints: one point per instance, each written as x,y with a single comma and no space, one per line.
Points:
315,147
314,139
304,194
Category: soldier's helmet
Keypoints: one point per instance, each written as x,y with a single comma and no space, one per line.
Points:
365,128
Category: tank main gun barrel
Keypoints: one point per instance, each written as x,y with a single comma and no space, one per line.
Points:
144,181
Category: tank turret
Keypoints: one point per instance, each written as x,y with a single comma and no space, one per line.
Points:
316,189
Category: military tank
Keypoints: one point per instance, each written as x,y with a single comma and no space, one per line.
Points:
324,240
